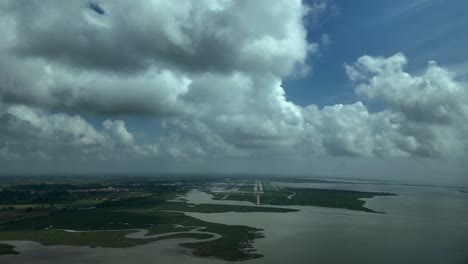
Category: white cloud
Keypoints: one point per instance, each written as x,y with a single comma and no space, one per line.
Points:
424,116
138,58
212,72
32,133
205,66
118,132
428,113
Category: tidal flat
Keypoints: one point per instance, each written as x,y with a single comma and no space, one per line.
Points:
239,231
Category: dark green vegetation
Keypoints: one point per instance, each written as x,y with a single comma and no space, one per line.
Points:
351,200
42,212
233,245
41,209
246,187
7,249
221,208
268,187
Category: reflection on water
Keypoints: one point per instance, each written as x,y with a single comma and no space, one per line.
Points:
415,201
421,225
165,251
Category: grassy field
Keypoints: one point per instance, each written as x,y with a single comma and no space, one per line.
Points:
221,208
311,197
40,212
247,187
268,187
232,246
26,206
15,215
152,213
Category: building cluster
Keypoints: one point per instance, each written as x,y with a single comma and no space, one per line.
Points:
103,189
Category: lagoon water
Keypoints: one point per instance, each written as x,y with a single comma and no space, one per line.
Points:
420,225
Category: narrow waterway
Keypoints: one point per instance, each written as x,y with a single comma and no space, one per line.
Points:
421,225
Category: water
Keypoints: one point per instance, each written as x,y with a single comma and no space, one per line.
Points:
421,225
415,201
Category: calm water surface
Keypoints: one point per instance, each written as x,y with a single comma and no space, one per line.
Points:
421,225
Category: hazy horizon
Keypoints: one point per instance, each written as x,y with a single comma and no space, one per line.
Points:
313,87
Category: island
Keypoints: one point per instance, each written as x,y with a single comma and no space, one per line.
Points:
121,212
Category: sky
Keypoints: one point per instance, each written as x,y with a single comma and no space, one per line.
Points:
330,88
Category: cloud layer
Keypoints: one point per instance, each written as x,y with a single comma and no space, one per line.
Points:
212,72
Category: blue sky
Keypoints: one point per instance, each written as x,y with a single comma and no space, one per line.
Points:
205,85
423,30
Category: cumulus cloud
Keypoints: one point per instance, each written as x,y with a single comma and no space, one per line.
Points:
33,133
138,58
428,112
211,71
208,65
422,116
434,97
195,36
